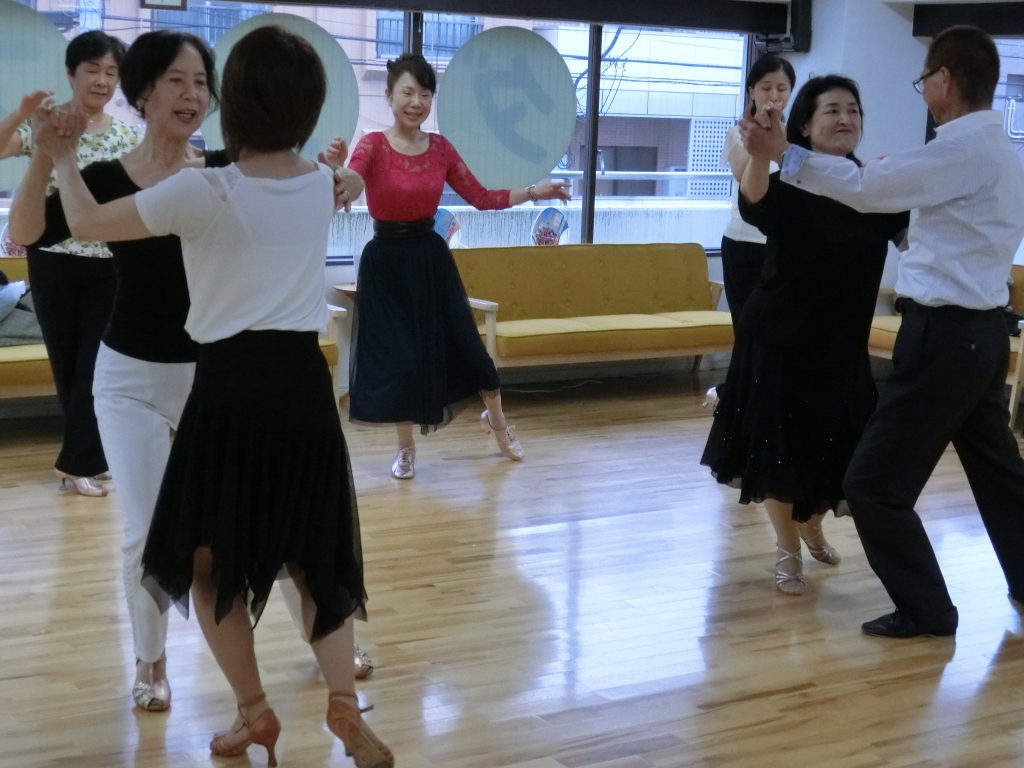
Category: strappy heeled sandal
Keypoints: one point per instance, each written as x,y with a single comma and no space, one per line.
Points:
153,695
818,545
789,583
264,730
507,438
344,719
363,664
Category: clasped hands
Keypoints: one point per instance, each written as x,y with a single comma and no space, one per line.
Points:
348,185
763,134
55,128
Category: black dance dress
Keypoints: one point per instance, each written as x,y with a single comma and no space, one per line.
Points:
416,351
799,388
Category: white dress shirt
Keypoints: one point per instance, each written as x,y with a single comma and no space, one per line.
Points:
966,192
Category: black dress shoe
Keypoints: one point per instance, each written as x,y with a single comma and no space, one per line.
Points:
899,624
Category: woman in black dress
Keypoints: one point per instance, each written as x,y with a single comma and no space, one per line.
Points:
799,388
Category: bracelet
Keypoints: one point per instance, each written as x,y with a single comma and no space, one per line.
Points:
529,192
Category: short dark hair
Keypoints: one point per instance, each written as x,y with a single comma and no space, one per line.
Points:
766,65
806,101
416,66
274,87
90,46
150,56
972,60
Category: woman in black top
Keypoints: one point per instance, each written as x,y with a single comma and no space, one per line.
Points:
146,359
73,282
799,388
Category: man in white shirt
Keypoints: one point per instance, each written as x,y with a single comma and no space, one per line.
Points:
966,189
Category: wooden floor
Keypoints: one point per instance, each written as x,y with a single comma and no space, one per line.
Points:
604,604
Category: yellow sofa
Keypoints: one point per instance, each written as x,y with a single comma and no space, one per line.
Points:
25,368
594,302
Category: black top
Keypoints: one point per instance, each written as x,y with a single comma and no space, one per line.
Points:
820,281
152,302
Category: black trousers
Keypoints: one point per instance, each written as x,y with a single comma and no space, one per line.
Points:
742,264
949,372
73,299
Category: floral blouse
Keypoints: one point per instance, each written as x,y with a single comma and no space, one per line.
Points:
118,139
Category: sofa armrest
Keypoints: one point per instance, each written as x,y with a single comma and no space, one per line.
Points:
334,335
887,297
716,286
334,324
490,310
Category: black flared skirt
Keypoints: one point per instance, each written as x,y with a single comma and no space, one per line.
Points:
416,351
788,421
259,472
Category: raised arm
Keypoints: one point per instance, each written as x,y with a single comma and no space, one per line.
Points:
735,154
548,190
87,219
10,142
28,208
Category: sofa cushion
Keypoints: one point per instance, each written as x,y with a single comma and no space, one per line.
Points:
567,281
883,332
613,333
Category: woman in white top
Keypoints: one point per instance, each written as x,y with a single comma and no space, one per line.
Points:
770,81
258,481
73,282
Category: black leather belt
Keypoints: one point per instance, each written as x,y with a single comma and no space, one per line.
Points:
904,305
402,228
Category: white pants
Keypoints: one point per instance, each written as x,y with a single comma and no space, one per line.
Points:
137,404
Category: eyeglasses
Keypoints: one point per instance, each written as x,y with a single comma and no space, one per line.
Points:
919,83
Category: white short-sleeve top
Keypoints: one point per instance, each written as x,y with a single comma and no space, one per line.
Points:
253,248
737,229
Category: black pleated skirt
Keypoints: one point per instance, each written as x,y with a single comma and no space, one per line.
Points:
416,352
260,473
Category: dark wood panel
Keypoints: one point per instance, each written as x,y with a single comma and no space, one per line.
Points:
994,18
764,17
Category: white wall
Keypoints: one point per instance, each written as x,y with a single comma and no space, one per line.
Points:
872,42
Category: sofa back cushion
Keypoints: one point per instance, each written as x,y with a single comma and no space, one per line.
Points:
14,267
585,280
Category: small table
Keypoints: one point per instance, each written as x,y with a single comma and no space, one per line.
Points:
349,289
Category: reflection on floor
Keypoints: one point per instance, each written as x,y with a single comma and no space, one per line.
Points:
602,604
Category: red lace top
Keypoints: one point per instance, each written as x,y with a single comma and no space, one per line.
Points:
403,187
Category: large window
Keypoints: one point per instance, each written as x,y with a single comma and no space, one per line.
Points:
666,98
443,33
207,19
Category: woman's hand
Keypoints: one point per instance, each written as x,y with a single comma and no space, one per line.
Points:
336,154
552,190
763,134
348,185
56,130
33,101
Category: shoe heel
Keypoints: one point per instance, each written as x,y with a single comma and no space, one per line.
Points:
507,438
361,743
83,486
264,730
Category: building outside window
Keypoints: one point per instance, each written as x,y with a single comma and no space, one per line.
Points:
206,19
443,33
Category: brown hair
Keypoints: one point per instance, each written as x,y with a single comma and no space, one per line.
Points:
273,89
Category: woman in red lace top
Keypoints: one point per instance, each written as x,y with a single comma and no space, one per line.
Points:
416,350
